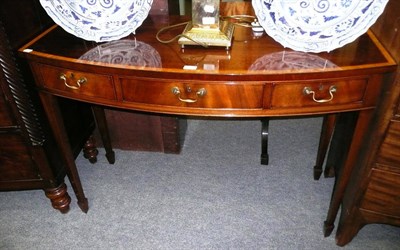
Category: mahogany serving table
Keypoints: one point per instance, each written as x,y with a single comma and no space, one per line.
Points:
257,77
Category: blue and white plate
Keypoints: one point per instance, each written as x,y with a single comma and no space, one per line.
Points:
98,20
317,25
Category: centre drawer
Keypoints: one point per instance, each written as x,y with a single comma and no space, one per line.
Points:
316,93
73,82
192,94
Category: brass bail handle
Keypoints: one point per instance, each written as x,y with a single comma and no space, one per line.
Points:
201,92
78,83
308,91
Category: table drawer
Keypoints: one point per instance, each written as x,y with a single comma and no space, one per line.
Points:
77,82
190,94
317,93
383,193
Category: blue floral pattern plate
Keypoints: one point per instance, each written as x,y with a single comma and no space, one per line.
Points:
317,25
98,20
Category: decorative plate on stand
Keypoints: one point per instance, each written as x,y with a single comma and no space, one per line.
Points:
98,20
317,25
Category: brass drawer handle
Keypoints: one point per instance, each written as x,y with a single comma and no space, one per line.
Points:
308,91
201,92
80,81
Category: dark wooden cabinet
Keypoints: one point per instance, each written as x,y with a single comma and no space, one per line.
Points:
29,157
373,195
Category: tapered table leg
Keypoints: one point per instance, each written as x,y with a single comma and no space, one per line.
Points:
50,105
354,135
328,126
264,141
101,121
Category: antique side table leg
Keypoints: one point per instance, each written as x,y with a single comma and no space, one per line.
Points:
328,126
90,151
350,224
103,129
59,197
344,172
50,105
264,141
339,145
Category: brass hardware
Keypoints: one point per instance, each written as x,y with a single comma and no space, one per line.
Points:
206,37
201,92
308,91
80,81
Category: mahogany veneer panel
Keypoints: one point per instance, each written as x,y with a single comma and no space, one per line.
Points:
94,85
291,94
218,95
383,193
389,153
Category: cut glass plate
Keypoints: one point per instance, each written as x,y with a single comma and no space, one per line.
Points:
125,52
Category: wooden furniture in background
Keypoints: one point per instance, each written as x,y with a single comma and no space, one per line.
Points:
236,8
373,195
143,131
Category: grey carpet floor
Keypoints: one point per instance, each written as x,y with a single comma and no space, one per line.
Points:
214,195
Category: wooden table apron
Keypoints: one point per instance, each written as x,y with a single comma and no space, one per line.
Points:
235,87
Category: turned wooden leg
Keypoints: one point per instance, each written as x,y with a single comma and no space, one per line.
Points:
264,141
90,151
103,129
328,126
59,198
